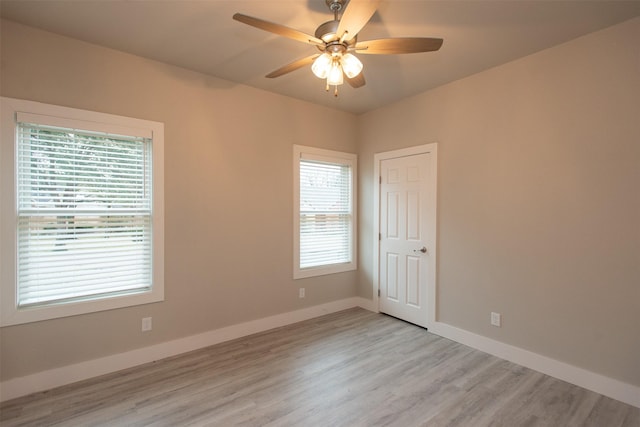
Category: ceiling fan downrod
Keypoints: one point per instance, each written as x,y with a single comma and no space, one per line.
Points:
335,6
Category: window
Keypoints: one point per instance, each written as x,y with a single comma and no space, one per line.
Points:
81,211
324,212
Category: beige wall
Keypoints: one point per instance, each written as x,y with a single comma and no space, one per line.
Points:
228,173
538,198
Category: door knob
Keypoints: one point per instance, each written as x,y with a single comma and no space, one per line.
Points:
423,250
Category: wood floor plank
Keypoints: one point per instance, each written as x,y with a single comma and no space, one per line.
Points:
352,368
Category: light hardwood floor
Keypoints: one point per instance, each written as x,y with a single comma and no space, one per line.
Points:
353,368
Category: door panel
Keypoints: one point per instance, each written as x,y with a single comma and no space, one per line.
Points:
393,200
392,276
413,281
404,190
413,215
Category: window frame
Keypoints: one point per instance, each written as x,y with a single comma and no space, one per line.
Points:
11,313
329,156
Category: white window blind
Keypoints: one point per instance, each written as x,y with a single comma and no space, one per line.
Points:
324,207
84,202
325,213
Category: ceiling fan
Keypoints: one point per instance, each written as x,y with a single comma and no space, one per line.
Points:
337,41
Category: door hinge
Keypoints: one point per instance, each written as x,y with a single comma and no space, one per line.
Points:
380,179
378,292
379,236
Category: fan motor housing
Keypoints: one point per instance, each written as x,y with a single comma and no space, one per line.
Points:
327,33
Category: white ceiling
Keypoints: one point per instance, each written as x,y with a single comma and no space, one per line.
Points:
201,36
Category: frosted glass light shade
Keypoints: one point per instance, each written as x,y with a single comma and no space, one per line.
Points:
335,76
351,65
321,65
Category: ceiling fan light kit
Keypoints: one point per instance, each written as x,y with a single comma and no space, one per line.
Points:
332,67
337,39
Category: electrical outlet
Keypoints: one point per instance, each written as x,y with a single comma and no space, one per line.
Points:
146,324
496,319
301,293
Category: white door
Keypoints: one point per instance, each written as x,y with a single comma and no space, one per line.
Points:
407,208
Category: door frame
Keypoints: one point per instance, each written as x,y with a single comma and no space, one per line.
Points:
432,149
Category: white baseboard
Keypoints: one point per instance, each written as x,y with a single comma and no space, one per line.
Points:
601,384
367,304
610,387
69,374
57,377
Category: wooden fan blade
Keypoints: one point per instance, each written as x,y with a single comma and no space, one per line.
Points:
398,45
357,81
292,66
278,29
355,16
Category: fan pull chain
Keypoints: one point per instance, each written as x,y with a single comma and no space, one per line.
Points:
335,90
